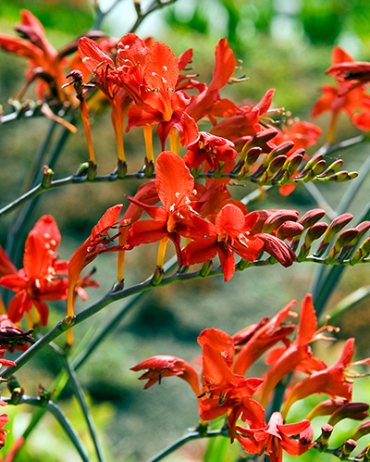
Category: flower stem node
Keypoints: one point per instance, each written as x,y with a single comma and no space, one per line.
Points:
68,322
326,431
91,171
206,268
202,428
157,276
82,169
44,395
118,285
243,264
121,169
15,389
149,168
349,446
47,177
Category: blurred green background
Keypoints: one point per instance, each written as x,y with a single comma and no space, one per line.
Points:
283,44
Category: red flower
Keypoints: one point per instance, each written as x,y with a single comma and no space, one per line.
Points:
331,380
263,339
212,150
344,98
296,356
273,438
161,366
303,134
229,235
4,419
6,266
97,243
226,392
38,280
175,185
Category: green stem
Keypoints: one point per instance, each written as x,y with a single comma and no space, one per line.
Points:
61,418
84,407
111,297
183,440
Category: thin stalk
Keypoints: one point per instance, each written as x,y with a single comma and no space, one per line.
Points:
84,407
183,440
61,418
156,5
111,297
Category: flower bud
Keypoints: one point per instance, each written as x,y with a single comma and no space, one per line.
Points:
311,217
47,177
289,229
276,164
319,167
310,165
335,226
326,431
67,322
349,446
362,252
326,407
149,168
282,149
352,410
362,430
333,168
314,233
82,169
294,161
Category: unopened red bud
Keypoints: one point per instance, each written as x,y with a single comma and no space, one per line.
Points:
362,228
326,431
311,217
352,410
349,446
282,149
362,430
276,164
252,155
277,217
305,437
206,268
157,276
335,226
289,229
326,407
347,238
47,177
294,161
121,169
365,454
315,232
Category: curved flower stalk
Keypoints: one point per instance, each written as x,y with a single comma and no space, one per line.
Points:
97,243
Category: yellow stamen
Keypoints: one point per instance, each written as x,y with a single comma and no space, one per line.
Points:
149,142
161,252
174,141
36,317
